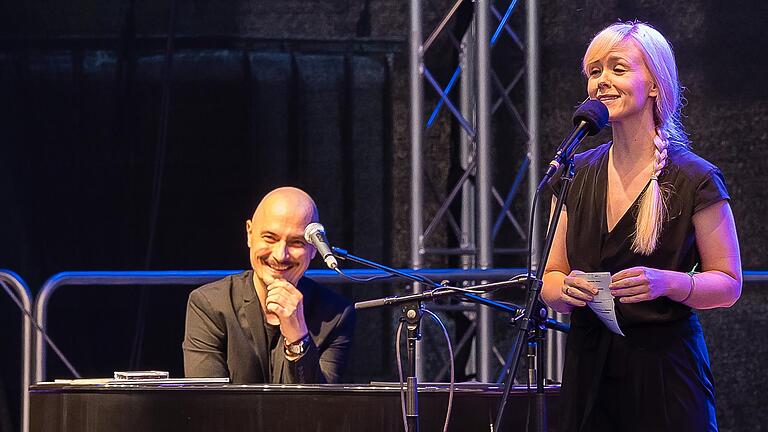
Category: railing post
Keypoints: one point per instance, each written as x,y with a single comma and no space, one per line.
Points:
7,278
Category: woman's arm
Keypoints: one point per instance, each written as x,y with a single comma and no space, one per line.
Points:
718,284
558,274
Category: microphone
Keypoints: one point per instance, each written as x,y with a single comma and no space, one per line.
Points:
315,234
590,117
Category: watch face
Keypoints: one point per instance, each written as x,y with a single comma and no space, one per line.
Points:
299,346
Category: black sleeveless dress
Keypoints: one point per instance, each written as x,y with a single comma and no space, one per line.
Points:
657,378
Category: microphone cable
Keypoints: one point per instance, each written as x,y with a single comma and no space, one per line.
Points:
452,385
357,279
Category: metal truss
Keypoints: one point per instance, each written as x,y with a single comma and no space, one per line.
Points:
483,92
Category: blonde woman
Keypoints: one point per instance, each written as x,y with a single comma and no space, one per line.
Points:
656,216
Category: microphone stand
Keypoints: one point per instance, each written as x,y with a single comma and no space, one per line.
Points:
531,326
410,314
413,310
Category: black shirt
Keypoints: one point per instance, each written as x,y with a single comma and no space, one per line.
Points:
661,365
693,183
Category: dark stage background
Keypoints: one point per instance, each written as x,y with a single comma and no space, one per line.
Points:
311,93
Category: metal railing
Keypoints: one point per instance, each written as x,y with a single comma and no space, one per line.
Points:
24,297
755,275
143,278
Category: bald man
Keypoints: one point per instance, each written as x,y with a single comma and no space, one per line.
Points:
270,324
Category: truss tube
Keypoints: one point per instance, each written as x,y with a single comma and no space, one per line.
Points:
467,93
416,66
532,90
467,156
555,340
417,105
484,238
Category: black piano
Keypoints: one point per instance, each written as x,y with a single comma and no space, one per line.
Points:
143,407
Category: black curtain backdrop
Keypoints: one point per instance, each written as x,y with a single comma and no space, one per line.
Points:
80,136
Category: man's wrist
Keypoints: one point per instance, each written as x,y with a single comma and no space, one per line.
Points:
296,349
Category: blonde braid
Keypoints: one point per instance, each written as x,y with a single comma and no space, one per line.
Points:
652,211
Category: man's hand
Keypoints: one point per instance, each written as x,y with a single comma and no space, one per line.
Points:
287,303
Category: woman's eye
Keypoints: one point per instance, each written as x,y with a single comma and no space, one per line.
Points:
594,72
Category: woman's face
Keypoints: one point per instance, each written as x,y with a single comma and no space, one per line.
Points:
622,82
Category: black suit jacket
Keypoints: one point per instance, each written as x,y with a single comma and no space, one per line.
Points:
225,335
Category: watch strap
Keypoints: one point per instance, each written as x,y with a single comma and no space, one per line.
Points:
297,348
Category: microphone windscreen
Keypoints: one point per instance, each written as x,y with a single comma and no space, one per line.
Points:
311,229
594,113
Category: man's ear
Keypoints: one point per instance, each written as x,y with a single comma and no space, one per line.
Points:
248,228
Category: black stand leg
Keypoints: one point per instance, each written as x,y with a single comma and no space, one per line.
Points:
540,404
533,318
412,313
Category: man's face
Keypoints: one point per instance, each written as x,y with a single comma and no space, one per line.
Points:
276,240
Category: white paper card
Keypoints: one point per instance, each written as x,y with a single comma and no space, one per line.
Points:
603,305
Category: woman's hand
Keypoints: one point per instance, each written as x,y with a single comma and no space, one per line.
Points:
638,284
577,291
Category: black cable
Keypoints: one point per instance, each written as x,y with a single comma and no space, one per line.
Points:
532,221
452,386
356,279
400,374
531,224
157,184
162,134
402,379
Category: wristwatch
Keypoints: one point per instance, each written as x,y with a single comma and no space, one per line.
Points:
297,348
